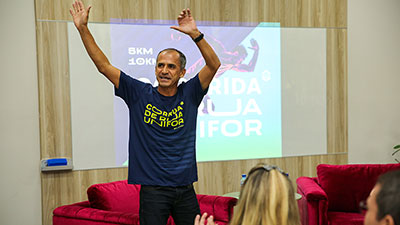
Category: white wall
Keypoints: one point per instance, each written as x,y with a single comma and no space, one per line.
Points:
374,80
20,194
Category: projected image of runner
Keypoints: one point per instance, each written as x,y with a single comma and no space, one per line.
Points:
240,117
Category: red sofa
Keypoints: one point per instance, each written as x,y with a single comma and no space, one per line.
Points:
118,203
333,197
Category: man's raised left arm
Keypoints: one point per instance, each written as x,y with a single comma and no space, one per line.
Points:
188,26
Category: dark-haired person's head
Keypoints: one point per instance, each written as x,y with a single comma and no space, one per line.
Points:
383,204
182,57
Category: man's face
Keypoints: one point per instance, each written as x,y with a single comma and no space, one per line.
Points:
372,208
168,69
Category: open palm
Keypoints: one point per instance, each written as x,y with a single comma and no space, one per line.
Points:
79,14
186,22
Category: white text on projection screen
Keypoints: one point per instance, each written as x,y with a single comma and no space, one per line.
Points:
240,117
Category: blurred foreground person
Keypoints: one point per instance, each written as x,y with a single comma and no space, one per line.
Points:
383,204
267,197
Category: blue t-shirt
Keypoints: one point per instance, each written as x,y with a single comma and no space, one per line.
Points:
162,132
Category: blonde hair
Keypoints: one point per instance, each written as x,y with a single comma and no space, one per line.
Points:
267,198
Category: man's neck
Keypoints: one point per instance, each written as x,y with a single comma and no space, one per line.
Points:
167,91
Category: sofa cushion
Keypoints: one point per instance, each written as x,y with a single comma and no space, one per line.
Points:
82,214
118,196
347,185
343,218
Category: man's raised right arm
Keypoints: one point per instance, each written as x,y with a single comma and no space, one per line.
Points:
80,16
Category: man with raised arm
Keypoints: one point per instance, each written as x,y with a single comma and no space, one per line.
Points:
162,130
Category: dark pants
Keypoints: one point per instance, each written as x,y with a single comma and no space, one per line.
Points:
158,203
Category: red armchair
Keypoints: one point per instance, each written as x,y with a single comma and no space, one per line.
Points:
118,203
333,197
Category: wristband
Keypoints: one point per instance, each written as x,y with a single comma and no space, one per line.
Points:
201,36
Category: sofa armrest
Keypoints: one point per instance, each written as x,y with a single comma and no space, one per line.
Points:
82,213
219,206
309,188
313,205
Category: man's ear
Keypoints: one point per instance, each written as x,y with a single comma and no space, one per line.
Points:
183,72
387,220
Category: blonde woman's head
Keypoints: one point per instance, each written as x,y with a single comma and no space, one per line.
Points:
267,197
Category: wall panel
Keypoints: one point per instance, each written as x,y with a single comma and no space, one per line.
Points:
290,13
216,178
54,90
222,177
336,82
59,188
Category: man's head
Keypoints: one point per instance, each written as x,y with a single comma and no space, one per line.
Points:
170,67
182,57
384,201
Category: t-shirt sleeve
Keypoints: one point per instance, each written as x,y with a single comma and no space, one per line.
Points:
194,86
129,89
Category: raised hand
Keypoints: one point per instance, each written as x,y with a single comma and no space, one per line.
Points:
254,44
187,24
201,220
79,14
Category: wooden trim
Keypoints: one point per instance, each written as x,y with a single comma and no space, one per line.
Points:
54,90
336,81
